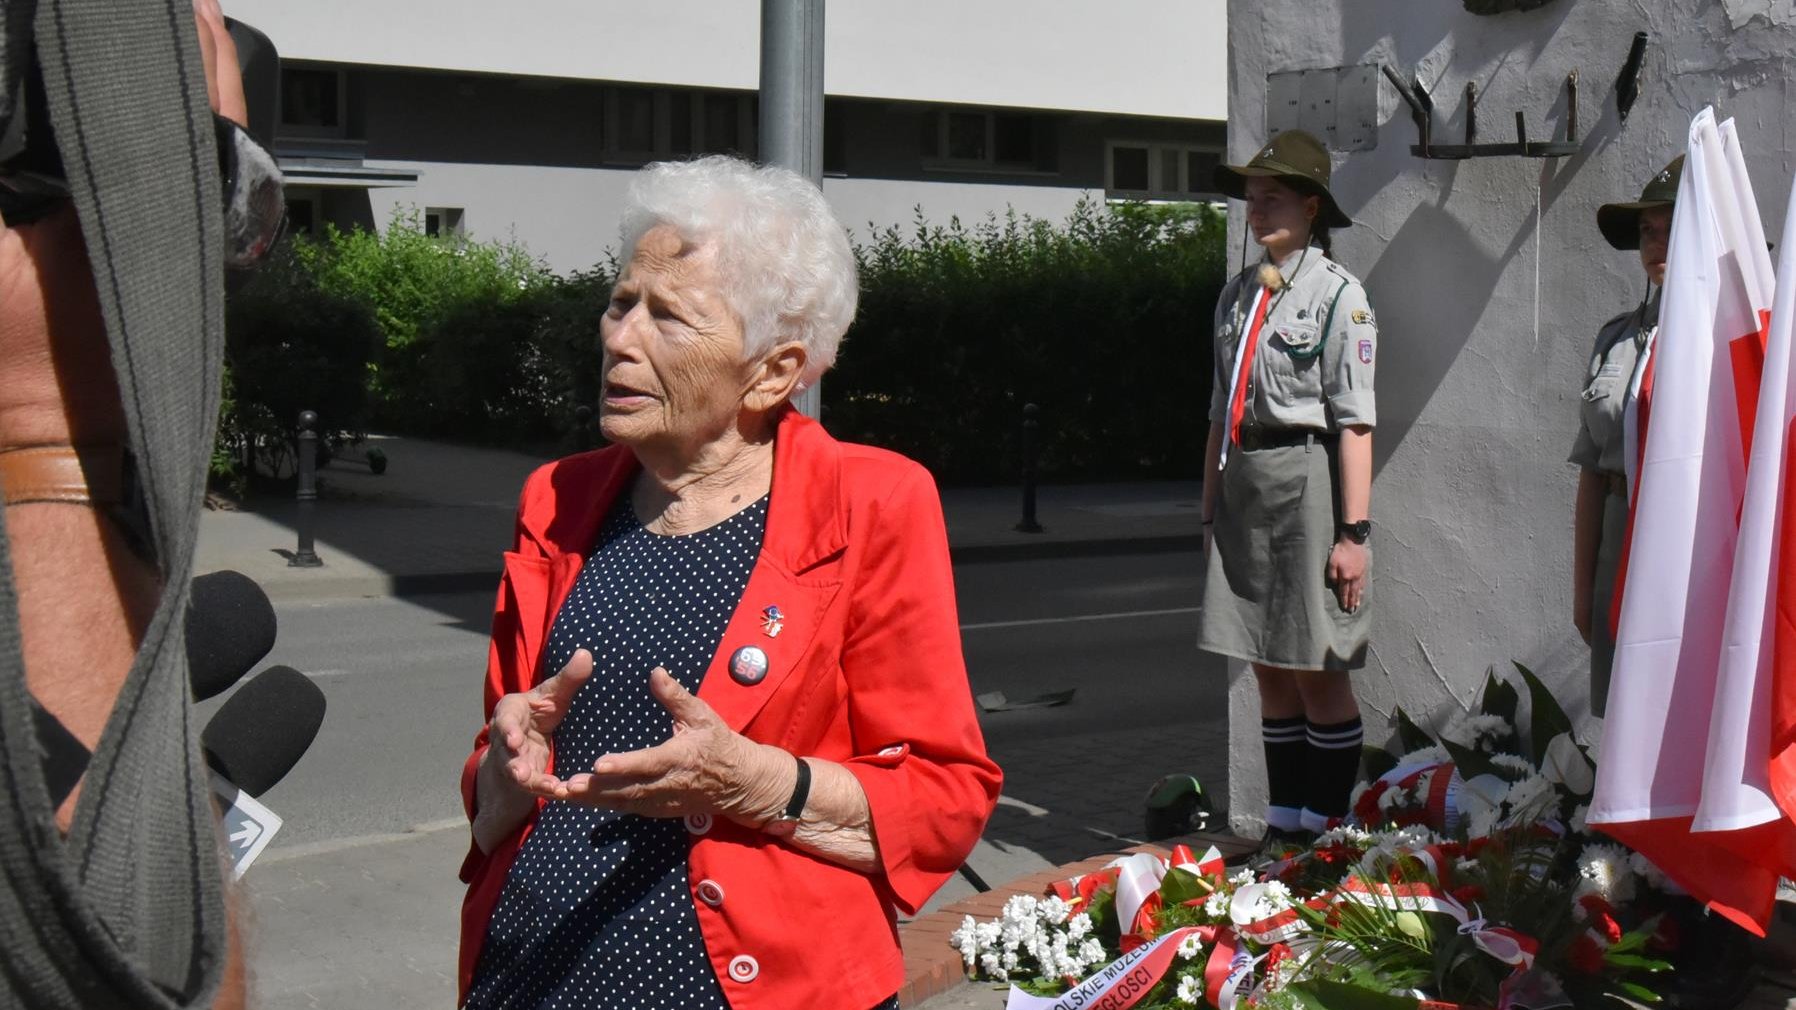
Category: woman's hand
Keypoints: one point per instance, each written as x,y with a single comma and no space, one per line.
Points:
707,768
1347,572
515,770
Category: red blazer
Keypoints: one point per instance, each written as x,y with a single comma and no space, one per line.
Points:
867,672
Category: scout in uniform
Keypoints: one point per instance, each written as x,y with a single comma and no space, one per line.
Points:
1288,481
1617,368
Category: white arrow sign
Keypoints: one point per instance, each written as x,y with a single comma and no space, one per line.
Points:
247,825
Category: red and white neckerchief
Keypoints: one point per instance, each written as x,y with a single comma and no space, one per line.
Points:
1242,373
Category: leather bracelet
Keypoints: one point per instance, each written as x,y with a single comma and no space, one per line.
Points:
63,474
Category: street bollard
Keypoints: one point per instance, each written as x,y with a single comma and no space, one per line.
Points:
305,556
1031,464
582,428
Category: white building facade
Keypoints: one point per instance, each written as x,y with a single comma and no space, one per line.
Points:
525,120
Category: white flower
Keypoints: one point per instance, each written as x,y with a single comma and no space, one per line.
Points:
1345,834
1513,763
1529,799
1393,797
990,964
987,935
1078,927
1482,731
1605,871
1091,952
1216,906
965,939
1241,877
1020,907
1191,990
1053,911
1191,947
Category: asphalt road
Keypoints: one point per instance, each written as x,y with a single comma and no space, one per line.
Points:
354,903
402,679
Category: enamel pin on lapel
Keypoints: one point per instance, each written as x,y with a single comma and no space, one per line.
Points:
748,665
772,621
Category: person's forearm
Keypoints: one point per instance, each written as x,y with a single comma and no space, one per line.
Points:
499,806
1356,474
1587,531
837,823
1212,462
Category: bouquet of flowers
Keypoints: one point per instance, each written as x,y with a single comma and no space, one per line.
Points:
1465,877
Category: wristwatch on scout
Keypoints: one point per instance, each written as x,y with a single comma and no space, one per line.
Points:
785,822
1358,532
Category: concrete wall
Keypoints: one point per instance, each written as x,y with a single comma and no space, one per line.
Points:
1490,281
1143,57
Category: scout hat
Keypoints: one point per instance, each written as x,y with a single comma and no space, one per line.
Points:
1620,222
1294,157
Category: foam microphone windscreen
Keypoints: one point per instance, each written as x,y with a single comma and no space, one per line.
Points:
230,627
262,731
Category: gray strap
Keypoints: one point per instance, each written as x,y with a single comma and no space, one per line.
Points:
129,911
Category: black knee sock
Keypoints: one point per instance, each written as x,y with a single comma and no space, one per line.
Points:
1287,763
1333,766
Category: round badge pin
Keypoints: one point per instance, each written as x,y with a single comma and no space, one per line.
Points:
748,665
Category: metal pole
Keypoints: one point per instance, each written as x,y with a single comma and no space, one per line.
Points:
1031,467
791,134
305,556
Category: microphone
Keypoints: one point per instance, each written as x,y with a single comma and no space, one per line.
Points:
230,627
262,731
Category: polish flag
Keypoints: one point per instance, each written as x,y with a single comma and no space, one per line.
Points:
1683,776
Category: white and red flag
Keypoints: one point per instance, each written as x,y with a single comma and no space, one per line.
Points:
1684,775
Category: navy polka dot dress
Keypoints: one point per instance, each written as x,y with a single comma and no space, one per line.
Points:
597,911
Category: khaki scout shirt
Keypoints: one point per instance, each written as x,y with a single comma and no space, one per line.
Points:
1601,445
1315,362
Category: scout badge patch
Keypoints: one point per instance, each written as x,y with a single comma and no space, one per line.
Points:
1365,352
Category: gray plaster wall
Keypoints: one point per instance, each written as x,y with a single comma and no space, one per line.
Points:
1490,281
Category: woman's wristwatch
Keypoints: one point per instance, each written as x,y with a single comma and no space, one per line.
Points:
1358,532
785,822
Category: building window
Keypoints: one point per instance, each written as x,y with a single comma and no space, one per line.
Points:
303,215
1148,171
835,138
443,222
314,103
973,139
644,124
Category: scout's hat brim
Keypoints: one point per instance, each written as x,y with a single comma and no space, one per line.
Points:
1620,222
1231,180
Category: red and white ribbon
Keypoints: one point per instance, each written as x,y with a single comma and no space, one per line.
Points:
1119,985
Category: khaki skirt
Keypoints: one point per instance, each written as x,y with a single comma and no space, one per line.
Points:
1602,597
1266,595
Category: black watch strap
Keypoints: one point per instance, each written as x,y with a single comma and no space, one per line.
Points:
1358,532
801,792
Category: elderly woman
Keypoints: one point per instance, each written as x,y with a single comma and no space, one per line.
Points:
730,732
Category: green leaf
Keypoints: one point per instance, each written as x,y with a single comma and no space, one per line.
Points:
1639,992
1548,720
1635,961
1471,763
1499,698
1321,995
1376,761
1181,885
1413,737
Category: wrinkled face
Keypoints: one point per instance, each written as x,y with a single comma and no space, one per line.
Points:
1280,217
674,370
1655,240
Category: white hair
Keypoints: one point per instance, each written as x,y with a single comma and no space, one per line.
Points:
787,268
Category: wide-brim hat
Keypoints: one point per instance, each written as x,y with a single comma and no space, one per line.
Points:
1620,222
1293,157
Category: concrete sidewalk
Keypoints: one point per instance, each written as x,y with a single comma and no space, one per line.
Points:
438,519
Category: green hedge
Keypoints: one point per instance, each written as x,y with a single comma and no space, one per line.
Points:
1102,320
